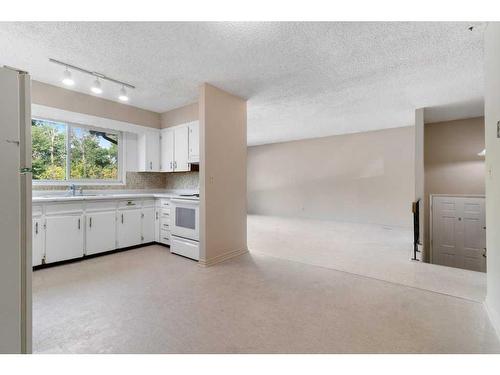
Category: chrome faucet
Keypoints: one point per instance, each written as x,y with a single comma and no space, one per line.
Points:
73,188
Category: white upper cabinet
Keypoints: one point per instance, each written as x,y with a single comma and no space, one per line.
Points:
148,149
181,146
194,142
167,150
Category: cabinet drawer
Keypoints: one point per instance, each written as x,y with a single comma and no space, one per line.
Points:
36,210
165,203
129,203
165,213
165,237
148,203
165,225
63,208
101,206
184,247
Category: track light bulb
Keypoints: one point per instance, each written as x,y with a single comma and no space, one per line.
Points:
96,87
67,79
123,95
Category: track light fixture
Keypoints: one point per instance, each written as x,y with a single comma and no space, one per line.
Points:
96,87
123,95
67,78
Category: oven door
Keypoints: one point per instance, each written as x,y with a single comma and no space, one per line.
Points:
185,218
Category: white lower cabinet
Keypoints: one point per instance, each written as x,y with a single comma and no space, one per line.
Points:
157,224
148,224
63,231
63,237
100,234
129,225
38,241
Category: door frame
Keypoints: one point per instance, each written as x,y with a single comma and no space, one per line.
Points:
431,214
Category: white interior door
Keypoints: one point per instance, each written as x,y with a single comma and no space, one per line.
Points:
459,232
101,232
181,149
474,234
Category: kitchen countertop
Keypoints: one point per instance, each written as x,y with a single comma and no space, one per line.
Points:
104,196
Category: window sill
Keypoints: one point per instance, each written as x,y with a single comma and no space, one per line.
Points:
78,183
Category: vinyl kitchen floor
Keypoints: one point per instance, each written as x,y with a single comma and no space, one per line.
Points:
370,250
147,300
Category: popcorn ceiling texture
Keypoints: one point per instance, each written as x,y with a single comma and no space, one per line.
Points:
301,79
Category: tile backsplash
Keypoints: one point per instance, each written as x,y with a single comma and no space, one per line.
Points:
142,180
183,180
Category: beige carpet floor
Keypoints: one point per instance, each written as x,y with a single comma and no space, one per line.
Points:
375,251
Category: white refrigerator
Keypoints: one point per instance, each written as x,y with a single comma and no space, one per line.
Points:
15,211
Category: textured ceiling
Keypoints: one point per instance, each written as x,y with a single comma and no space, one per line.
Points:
301,80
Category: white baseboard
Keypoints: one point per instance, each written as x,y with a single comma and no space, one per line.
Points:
222,258
494,318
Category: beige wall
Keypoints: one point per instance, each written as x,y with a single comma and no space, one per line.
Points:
420,176
181,115
57,97
223,154
364,177
451,163
492,115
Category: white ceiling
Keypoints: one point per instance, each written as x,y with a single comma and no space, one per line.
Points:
301,80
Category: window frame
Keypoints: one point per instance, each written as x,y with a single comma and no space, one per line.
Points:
85,181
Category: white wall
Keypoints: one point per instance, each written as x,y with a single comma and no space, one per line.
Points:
491,116
365,177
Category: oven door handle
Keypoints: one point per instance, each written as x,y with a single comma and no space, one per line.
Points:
192,202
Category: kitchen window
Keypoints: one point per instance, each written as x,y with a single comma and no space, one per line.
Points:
69,153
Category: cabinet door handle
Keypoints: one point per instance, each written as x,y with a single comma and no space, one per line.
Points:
150,165
79,224
36,228
156,215
122,218
90,224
